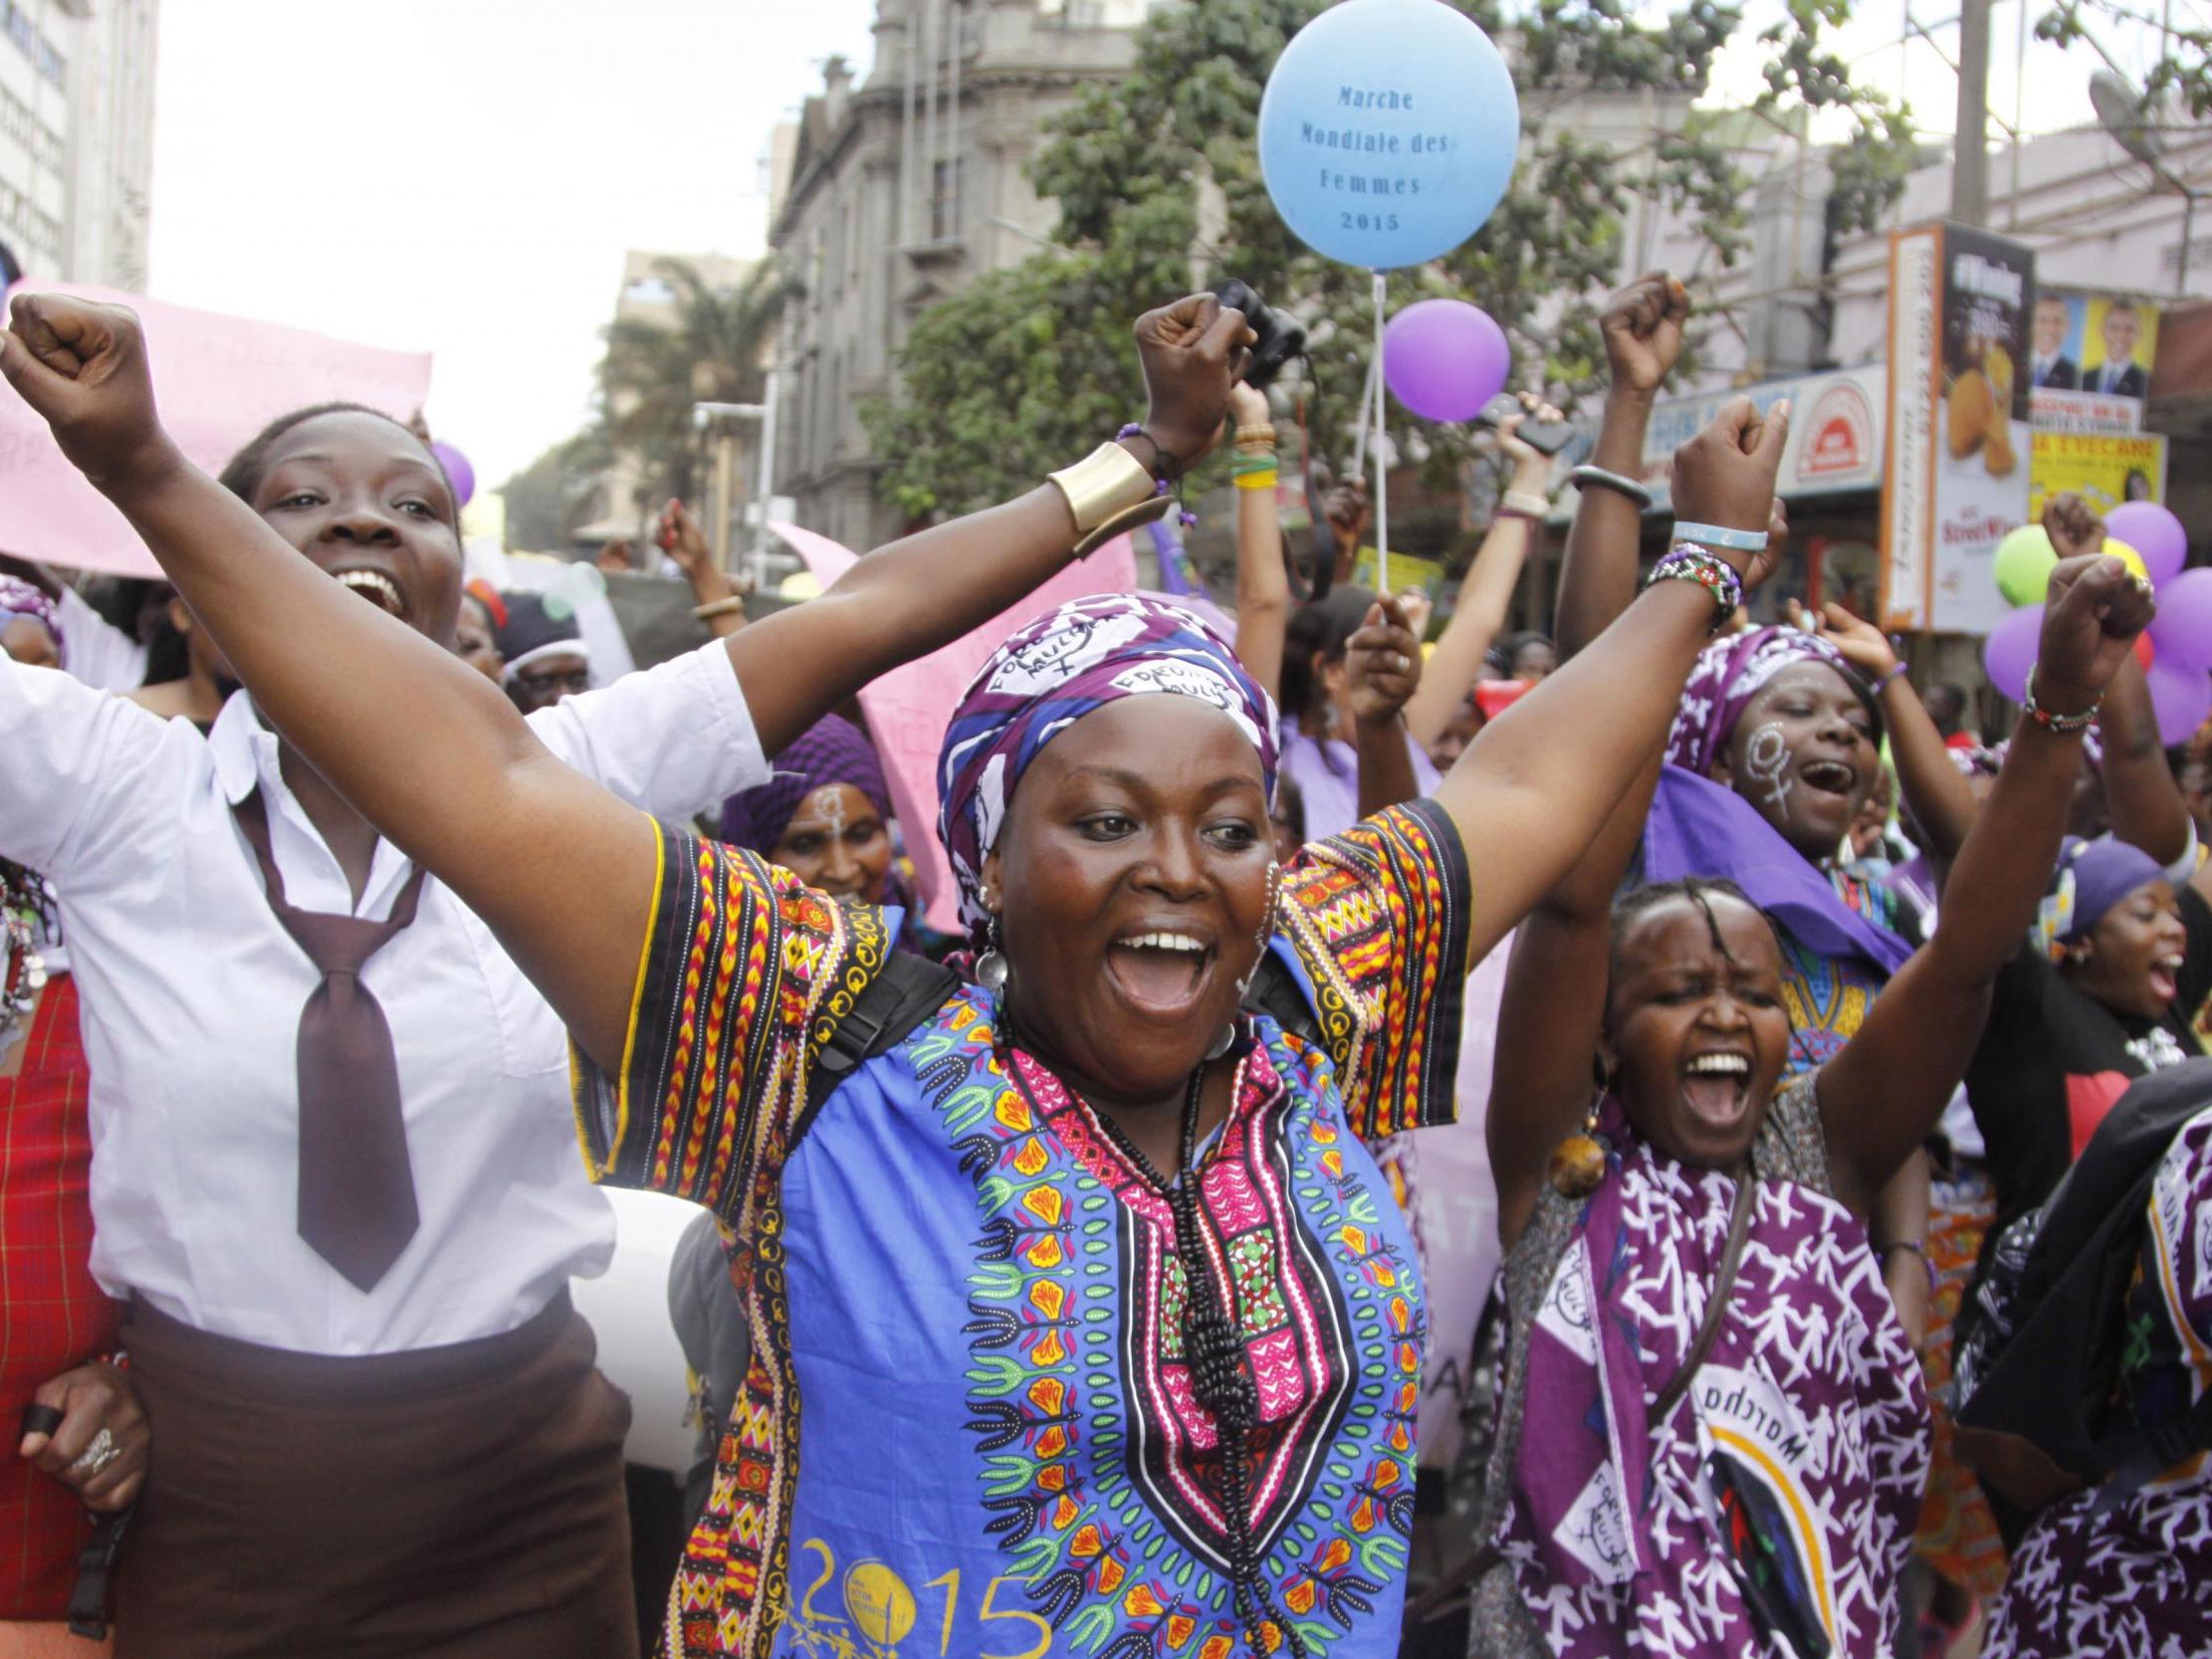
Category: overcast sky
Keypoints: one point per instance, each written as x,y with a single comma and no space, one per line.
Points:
462,176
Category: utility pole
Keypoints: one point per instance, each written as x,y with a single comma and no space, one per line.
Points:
1970,149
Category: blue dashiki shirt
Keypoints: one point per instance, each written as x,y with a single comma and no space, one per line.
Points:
1829,995
967,1428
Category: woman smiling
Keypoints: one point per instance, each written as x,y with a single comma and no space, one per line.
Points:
1080,1315
1715,1435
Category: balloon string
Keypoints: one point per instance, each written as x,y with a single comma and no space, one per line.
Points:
1367,417
1382,481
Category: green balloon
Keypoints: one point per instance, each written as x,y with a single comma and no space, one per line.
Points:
2023,565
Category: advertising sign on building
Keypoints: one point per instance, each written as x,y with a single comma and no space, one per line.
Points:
2052,410
2102,343
1957,471
1835,443
2104,469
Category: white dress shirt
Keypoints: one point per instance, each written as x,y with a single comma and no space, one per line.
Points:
191,994
104,657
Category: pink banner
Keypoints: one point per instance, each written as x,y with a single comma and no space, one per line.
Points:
219,381
909,707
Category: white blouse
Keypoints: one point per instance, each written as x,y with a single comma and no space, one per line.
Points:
191,994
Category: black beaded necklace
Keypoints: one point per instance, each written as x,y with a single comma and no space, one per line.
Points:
1219,1375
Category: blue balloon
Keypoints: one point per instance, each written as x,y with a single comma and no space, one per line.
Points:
1387,131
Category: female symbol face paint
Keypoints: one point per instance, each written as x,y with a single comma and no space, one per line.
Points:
1766,761
1803,754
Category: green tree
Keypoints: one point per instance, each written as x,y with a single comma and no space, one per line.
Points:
551,497
713,352
1158,182
2181,77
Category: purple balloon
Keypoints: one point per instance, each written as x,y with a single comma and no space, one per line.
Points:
1444,360
2182,631
2010,651
2182,697
2155,533
456,469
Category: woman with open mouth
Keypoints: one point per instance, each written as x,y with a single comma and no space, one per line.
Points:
2118,967
1714,1434
334,1180
2103,993
1081,1321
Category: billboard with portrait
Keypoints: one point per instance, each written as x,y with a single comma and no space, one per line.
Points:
2100,343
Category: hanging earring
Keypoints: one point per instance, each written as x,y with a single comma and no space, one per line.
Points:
1578,1163
991,966
1228,1037
1266,930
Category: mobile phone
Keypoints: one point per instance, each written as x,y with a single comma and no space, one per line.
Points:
1544,437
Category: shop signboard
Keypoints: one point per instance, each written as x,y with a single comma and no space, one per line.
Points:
2106,469
1835,443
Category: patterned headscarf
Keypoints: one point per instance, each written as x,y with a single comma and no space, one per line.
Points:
19,598
1731,672
1050,674
2092,876
834,750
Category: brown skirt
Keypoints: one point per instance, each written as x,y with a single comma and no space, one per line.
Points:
453,1503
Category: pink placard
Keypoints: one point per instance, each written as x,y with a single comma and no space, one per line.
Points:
909,707
219,381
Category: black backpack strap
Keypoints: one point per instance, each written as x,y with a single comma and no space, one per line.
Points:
1274,992
911,988
2141,1455
96,1566
908,991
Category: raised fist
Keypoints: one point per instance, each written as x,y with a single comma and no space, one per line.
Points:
1643,329
83,368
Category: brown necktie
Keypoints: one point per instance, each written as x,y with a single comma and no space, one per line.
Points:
357,1192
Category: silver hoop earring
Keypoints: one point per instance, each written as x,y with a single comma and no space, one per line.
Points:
991,967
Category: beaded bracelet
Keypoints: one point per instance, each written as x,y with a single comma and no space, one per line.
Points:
2058,723
1897,672
1165,466
1685,561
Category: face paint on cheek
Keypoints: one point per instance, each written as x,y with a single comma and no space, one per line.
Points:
1766,761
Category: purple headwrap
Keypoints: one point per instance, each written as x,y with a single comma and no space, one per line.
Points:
1050,674
834,750
1700,828
19,598
2092,876
1729,673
